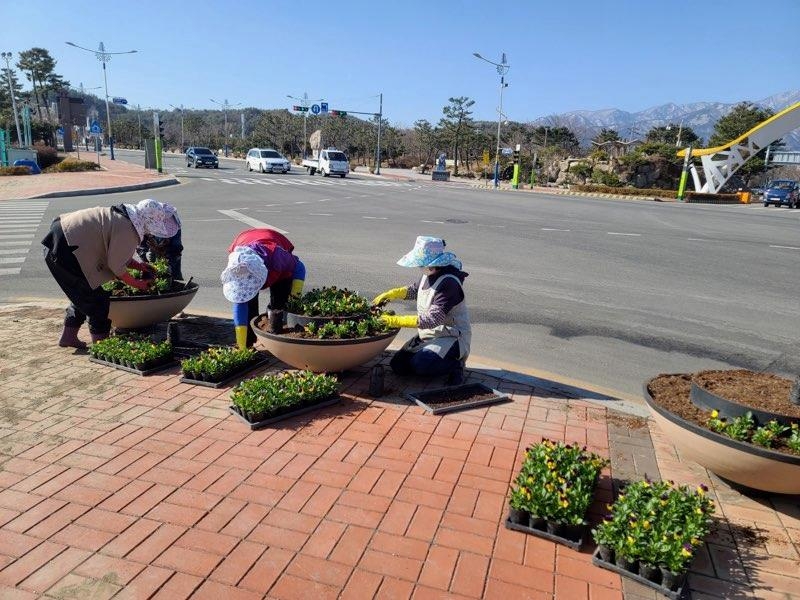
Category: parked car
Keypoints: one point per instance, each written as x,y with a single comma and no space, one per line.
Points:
201,157
782,192
267,160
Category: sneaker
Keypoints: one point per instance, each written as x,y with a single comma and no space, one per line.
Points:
456,376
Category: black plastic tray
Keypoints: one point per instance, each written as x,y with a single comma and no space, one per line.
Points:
542,533
672,594
157,369
263,360
704,399
421,397
300,411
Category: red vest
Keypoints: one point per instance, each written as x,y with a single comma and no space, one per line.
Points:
280,264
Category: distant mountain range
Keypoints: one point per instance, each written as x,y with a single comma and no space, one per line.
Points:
700,116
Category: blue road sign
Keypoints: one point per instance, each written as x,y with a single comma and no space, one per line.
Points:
95,128
60,131
323,108
315,109
118,100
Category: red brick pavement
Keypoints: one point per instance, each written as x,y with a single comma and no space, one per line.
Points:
111,488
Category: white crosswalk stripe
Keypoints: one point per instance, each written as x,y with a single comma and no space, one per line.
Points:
19,221
300,181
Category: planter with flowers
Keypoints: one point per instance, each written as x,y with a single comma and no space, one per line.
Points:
553,491
651,532
264,400
330,330
218,366
165,297
759,452
132,353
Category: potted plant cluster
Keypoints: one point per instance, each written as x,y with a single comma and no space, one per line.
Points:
651,532
263,400
219,364
132,352
553,491
321,305
165,297
328,330
759,453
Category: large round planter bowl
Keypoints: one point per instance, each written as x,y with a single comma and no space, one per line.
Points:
323,356
130,312
742,463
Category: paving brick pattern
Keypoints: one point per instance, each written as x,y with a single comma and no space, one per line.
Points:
119,486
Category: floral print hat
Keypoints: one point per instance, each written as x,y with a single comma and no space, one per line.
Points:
244,276
429,252
151,217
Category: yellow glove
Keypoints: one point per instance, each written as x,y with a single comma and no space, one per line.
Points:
241,336
396,321
297,287
393,294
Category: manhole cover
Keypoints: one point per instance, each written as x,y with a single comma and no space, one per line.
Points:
458,221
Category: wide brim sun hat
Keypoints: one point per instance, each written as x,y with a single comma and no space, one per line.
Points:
244,276
429,252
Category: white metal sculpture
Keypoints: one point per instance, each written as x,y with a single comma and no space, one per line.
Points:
721,162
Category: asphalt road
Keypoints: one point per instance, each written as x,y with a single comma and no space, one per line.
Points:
603,291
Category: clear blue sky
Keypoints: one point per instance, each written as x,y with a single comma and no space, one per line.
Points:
565,55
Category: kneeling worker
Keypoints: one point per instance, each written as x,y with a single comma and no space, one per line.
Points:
442,343
259,259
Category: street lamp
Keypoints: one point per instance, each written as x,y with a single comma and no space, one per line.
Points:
225,106
304,104
103,56
7,56
502,68
181,111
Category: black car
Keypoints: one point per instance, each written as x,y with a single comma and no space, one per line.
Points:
201,157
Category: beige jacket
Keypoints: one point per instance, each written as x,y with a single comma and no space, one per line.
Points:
105,240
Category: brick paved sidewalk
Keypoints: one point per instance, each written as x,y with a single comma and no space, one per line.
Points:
114,485
117,175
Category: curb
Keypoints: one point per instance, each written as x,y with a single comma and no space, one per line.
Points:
110,190
560,192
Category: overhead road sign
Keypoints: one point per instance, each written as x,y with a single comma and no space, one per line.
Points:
119,101
323,108
315,109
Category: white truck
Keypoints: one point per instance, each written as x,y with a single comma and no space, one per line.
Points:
329,161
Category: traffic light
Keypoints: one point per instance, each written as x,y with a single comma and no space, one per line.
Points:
516,156
339,113
300,108
160,129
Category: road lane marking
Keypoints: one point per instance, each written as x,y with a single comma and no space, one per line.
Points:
15,251
700,240
302,202
250,221
785,247
4,232
18,237
380,218
320,214
11,271
553,229
13,260
628,234
323,199
15,243
437,222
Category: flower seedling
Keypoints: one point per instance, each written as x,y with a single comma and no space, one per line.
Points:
217,363
263,397
328,302
767,434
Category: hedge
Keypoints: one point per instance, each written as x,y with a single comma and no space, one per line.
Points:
15,171
629,191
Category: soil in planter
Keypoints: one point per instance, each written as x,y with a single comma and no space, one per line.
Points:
672,392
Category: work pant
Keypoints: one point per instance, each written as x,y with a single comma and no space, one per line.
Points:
425,362
84,301
278,297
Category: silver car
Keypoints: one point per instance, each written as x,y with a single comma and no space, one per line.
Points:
267,160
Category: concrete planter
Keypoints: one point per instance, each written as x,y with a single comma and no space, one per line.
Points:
130,312
748,465
323,356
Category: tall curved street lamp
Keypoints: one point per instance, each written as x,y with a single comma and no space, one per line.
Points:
225,106
304,104
104,56
502,68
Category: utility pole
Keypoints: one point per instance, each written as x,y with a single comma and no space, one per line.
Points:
242,116
181,111
225,106
7,57
380,122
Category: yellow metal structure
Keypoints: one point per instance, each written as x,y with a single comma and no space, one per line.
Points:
721,162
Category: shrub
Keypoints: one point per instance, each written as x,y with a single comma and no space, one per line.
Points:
46,155
71,165
15,171
633,159
606,178
404,162
628,191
